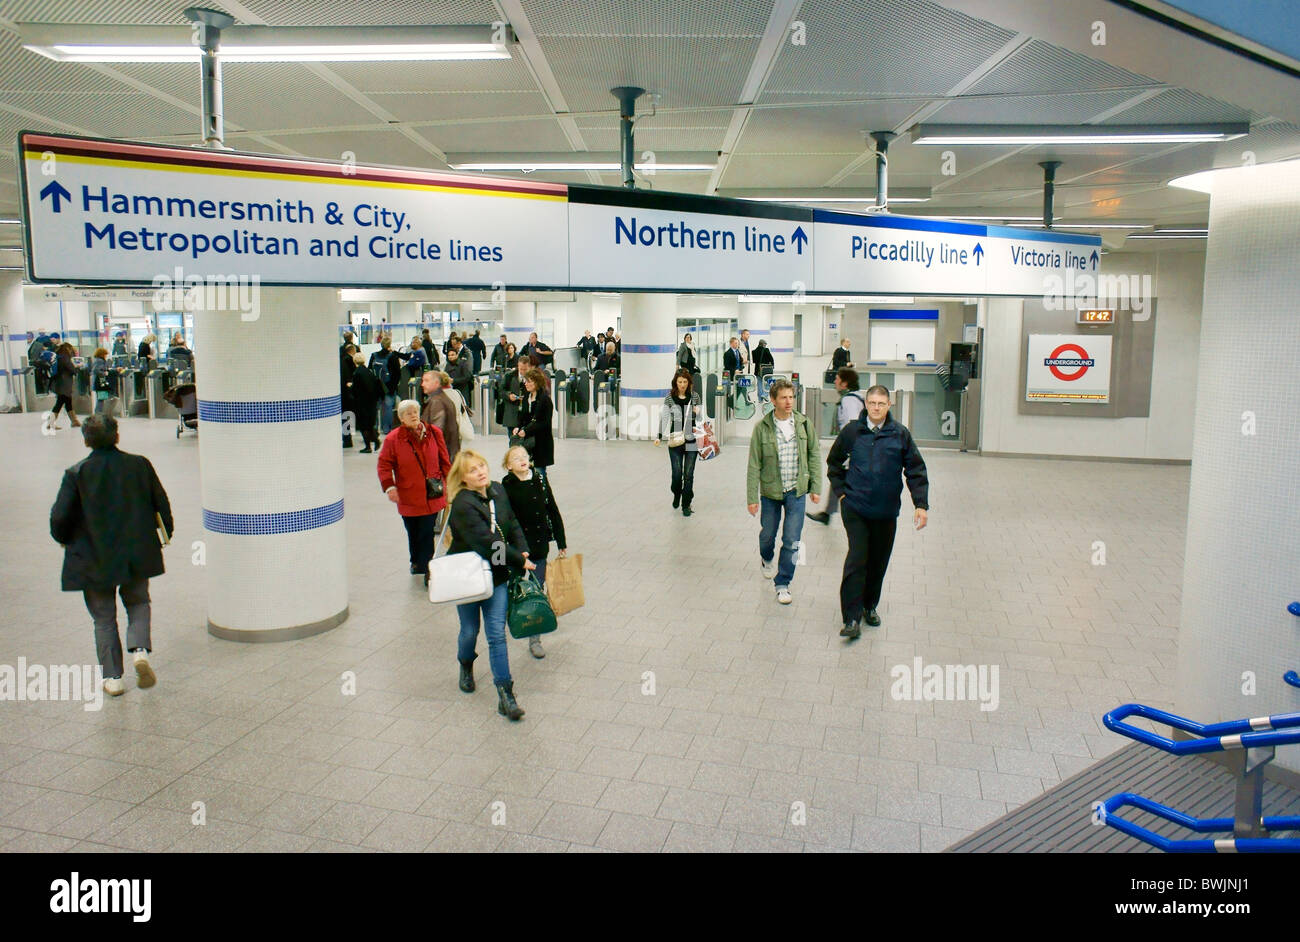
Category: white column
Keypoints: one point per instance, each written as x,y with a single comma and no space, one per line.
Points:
13,316
781,339
521,320
649,359
1243,519
755,317
271,468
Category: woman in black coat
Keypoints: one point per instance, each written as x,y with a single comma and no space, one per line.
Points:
64,385
535,420
367,390
481,521
534,505
347,366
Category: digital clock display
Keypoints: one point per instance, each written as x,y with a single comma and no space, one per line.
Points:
1096,317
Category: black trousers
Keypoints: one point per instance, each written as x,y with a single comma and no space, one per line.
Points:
870,543
420,533
64,403
683,464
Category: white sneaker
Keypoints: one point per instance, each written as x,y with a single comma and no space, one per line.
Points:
144,675
783,595
114,687
769,568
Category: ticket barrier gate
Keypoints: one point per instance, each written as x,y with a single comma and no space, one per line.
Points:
159,381
573,402
484,418
607,416
83,397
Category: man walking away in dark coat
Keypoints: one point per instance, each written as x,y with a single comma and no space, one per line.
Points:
106,518
867,465
367,392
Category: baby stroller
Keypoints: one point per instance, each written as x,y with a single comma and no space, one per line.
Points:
185,398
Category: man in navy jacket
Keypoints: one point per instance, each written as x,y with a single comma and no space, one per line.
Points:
867,466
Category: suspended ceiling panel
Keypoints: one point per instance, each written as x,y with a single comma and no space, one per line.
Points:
143,12
302,100
1041,67
448,106
737,18
536,135
370,147
385,13
488,75
791,170
696,71
1179,106
667,130
116,114
661,183
858,49
1036,109
819,129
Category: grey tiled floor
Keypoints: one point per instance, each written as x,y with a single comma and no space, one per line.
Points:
755,707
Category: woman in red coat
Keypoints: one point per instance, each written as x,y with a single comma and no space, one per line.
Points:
411,453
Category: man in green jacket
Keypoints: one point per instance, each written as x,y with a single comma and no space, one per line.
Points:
784,467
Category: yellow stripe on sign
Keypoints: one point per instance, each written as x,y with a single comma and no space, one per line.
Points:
304,178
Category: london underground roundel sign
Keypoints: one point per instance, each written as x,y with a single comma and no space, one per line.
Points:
1076,365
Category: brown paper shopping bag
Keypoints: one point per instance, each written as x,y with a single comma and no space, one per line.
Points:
564,583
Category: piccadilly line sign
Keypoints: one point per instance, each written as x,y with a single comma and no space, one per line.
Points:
118,213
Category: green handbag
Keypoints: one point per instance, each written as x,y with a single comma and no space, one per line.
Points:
530,612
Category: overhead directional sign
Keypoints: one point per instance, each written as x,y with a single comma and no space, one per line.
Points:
634,240
122,213
885,253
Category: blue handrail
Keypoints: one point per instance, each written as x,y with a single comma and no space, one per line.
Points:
1292,678
1294,609
1280,730
1237,845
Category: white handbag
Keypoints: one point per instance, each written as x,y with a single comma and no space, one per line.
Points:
461,577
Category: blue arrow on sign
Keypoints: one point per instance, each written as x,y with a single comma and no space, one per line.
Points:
1095,258
55,191
979,253
799,238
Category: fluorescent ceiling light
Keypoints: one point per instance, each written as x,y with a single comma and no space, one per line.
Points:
824,299
78,43
1172,235
824,195
679,162
1011,134
11,222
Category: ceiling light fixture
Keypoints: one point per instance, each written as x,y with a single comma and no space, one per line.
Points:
696,162
81,43
1015,134
824,195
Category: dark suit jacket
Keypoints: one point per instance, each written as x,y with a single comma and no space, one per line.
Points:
104,518
731,361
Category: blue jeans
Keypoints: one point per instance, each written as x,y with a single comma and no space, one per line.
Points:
386,406
540,572
791,531
494,626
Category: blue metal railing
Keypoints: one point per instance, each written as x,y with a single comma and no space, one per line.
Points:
1261,734
1292,678
1231,845
1282,729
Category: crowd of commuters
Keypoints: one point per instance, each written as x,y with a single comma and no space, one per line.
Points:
439,485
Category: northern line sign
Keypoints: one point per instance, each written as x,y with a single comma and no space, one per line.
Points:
126,213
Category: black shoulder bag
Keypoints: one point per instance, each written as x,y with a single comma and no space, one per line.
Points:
433,487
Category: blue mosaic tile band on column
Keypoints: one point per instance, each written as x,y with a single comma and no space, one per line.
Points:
285,410
642,393
294,521
649,348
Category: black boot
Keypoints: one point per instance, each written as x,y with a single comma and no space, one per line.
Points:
686,509
507,705
467,676
677,500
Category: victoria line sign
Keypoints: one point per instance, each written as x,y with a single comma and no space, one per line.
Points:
119,212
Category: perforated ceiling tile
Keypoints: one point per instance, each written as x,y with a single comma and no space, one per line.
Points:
370,147
819,130
1037,109
706,118
1039,66
141,12
386,13
862,48
541,135
479,75
1179,106
448,106
123,114
660,183
641,18
659,138
794,169
302,100
697,71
